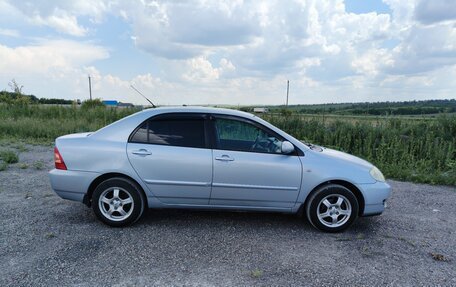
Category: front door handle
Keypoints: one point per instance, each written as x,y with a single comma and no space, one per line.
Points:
224,158
141,152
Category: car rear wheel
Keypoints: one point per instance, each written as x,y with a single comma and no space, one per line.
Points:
118,202
332,208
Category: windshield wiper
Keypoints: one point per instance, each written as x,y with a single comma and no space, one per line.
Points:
308,144
312,146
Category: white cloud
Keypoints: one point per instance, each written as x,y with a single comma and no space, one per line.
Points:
425,48
48,56
242,51
403,12
199,70
62,16
9,32
62,22
49,69
371,62
180,30
226,66
434,11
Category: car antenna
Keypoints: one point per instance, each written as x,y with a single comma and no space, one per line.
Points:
143,96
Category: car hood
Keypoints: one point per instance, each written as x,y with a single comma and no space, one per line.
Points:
342,156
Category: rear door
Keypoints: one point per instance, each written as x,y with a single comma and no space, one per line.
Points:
249,168
170,153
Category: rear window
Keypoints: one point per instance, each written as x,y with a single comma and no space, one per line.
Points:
172,132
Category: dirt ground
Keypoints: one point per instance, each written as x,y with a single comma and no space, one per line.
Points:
45,240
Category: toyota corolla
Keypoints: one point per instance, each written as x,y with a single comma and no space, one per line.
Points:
207,158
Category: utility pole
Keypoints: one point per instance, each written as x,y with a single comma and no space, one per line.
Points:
90,88
288,89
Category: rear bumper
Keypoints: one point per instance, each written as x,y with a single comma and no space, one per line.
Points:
375,196
71,185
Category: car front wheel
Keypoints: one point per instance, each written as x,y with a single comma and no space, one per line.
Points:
118,202
332,208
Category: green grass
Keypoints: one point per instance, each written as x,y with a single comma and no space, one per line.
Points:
23,165
416,108
256,273
406,149
49,235
9,156
39,164
37,124
21,148
412,149
3,165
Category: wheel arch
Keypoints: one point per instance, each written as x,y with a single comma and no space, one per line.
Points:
359,196
87,200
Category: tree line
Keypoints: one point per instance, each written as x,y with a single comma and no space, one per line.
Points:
14,97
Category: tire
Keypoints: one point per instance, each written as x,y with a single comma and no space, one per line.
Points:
332,208
118,202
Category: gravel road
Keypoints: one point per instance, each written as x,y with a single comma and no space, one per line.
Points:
45,240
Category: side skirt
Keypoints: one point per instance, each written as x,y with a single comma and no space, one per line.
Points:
156,204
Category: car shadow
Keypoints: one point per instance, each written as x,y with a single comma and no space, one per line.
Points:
192,218
245,220
198,217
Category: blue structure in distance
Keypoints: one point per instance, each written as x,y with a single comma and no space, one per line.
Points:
111,103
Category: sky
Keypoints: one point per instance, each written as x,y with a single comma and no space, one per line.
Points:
231,52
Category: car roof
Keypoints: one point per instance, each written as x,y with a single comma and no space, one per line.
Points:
121,129
195,109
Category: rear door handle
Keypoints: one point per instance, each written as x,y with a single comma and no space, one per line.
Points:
224,158
141,152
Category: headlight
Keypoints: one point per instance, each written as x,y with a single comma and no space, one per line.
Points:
377,174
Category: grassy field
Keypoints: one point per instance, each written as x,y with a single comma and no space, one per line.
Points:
408,108
42,124
418,150
413,149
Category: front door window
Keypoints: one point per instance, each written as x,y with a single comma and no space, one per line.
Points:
243,136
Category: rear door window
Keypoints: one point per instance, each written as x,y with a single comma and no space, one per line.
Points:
172,131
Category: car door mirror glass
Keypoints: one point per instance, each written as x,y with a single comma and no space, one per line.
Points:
287,147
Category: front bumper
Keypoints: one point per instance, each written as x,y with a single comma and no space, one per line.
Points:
70,184
375,196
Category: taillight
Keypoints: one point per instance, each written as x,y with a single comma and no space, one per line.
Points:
58,160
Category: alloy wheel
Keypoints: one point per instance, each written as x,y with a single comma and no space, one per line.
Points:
116,203
334,210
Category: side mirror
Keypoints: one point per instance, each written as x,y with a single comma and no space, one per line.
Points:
287,147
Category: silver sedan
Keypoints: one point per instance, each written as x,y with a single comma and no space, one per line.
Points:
207,158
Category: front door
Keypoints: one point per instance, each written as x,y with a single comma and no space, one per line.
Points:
249,168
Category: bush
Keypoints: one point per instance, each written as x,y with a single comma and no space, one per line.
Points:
413,150
43,124
9,156
91,104
246,109
284,112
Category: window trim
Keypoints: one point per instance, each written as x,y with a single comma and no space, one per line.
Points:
173,115
212,132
